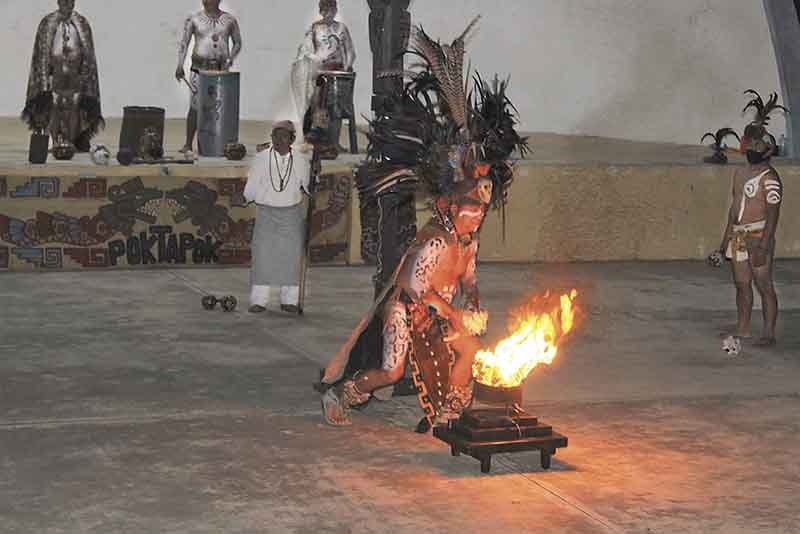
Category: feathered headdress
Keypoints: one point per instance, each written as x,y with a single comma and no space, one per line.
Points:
428,131
763,110
446,63
757,129
719,137
492,121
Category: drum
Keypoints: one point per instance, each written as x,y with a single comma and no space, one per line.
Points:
217,112
135,120
338,93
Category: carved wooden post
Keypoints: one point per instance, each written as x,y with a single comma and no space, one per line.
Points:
393,212
391,218
389,31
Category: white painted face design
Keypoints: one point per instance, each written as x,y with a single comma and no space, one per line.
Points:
471,212
469,218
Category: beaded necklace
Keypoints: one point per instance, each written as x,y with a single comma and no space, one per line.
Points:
283,178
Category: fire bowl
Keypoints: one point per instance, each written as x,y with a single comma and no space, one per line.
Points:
497,395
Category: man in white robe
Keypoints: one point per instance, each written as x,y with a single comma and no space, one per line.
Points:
276,182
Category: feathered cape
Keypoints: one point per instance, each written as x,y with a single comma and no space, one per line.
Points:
39,94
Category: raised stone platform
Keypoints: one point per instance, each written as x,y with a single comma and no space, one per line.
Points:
574,199
75,214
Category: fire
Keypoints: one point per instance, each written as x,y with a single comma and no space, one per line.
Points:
536,332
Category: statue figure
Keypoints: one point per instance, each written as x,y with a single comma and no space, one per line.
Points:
213,31
327,51
63,95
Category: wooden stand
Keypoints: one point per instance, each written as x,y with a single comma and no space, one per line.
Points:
481,433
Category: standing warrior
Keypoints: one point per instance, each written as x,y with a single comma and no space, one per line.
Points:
749,239
460,150
276,181
327,47
63,88
212,30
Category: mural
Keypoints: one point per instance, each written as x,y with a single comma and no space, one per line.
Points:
49,222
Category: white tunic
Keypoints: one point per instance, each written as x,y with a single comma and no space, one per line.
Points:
276,180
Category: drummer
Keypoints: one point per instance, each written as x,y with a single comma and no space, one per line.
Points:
212,30
328,47
329,40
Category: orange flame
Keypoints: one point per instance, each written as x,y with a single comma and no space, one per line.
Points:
537,330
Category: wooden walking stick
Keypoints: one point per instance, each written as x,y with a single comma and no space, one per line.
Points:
316,169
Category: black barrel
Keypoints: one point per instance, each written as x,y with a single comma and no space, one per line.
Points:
37,152
135,119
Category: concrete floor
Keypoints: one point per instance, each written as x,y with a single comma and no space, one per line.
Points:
127,408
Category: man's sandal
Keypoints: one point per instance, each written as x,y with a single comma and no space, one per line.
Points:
333,410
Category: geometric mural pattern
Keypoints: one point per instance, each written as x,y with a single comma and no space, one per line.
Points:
50,222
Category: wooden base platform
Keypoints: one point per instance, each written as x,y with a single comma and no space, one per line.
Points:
481,433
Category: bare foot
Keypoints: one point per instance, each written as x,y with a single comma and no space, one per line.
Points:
765,342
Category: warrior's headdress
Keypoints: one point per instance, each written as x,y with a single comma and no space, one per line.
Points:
757,129
438,132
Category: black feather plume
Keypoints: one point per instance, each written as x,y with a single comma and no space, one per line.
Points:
492,120
763,109
719,136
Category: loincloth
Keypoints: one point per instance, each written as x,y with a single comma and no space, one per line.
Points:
746,237
431,360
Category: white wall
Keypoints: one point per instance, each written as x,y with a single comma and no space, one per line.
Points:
638,69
